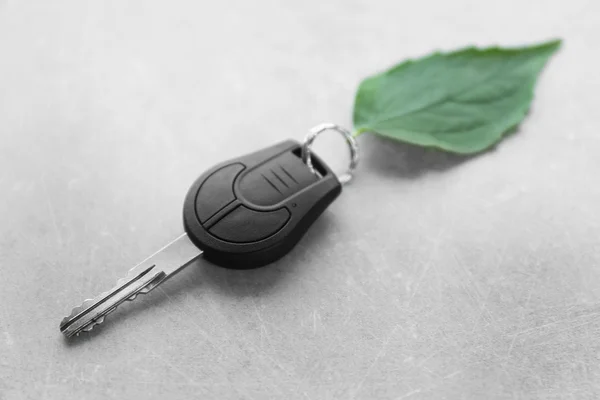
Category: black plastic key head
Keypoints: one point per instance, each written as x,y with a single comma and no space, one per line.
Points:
252,210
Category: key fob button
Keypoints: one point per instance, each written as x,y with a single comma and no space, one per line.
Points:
243,225
217,191
276,180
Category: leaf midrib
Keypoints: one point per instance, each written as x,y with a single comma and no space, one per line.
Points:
451,96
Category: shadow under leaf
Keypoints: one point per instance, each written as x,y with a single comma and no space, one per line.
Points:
403,160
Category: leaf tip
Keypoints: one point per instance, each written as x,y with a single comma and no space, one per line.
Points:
552,44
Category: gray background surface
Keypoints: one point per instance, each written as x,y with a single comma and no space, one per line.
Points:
431,277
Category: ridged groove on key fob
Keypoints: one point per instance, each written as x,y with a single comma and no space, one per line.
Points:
252,210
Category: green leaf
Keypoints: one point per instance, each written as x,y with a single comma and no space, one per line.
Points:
462,102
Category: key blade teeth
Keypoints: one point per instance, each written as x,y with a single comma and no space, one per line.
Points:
91,326
76,310
87,305
141,279
86,327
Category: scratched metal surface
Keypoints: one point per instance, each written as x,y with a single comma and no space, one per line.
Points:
432,276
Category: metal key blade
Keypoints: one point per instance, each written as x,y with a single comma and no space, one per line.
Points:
141,279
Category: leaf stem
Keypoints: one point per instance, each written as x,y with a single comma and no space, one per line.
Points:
358,132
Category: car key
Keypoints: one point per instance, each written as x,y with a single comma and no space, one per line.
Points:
244,213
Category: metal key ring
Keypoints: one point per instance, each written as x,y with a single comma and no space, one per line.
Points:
352,145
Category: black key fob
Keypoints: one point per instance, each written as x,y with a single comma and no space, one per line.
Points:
252,210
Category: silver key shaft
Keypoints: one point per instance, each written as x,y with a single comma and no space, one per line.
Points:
141,279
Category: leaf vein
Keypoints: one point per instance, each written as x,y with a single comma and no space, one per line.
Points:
447,98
